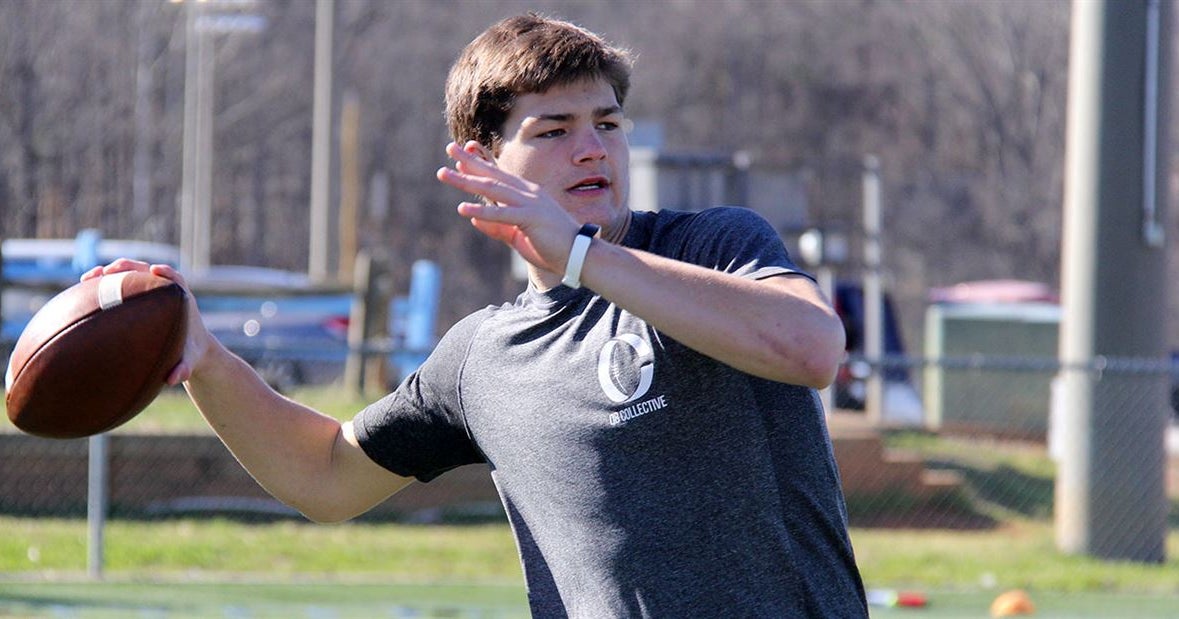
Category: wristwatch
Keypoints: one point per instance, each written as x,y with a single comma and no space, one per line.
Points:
581,244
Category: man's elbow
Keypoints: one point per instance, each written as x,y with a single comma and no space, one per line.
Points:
329,512
822,375
830,353
814,361
337,502
326,516
314,508
817,371
319,504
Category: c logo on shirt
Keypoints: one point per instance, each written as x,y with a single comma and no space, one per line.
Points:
643,359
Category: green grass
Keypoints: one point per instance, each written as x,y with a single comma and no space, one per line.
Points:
1015,555
177,568
173,412
1049,605
194,600
1006,479
193,568
198,600
180,548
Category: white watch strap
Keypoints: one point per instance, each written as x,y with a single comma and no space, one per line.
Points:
581,244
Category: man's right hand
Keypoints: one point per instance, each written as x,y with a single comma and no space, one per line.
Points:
198,340
304,458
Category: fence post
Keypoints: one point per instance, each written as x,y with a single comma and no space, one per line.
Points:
369,321
873,293
96,503
354,366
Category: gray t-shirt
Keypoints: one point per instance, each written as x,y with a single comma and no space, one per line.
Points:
641,478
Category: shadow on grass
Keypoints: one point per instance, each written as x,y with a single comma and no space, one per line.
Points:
951,508
988,493
1005,487
60,606
1016,492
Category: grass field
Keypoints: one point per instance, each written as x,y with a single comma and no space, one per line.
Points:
238,600
373,601
196,568
1018,555
205,567
173,412
335,600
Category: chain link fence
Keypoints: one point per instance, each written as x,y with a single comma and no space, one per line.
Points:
983,448
993,433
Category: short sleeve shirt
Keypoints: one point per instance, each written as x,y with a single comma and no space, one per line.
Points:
640,477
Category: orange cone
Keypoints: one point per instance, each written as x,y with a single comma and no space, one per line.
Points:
1011,603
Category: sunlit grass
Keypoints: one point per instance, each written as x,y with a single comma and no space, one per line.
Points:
1018,554
183,547
173,412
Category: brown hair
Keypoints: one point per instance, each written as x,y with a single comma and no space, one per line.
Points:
521,55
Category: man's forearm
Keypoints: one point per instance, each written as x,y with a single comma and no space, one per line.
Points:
779,328
297,454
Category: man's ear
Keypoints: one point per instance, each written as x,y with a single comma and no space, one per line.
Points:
484,153
481,151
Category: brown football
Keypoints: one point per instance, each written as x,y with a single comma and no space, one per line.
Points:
95,355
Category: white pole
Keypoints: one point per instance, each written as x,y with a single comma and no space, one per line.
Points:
96,504
321,129
873,293
203,175
188,165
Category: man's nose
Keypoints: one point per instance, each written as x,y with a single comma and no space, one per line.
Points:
590,147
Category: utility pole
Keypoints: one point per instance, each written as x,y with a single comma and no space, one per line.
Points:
145,48
319,255
193,189
202,22
1111,481
349,212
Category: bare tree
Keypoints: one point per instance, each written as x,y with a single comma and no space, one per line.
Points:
962,101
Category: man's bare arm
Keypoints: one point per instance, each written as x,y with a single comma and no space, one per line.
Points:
304,458
780,328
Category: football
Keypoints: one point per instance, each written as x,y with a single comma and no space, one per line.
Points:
95,355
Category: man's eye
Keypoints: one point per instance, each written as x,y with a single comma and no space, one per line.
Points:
608,126
551,133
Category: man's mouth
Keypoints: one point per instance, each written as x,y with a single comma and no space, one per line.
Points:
591,184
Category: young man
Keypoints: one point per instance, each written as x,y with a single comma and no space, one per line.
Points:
646,406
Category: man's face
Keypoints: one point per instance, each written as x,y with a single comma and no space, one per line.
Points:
570,141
